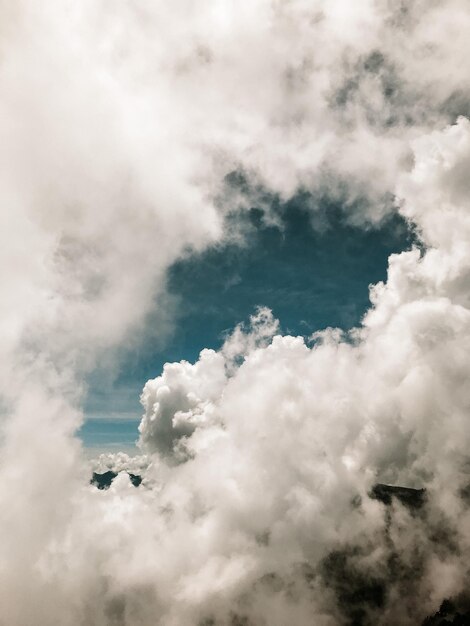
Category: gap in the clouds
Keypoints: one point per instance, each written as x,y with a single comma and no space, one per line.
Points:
311,273
109,435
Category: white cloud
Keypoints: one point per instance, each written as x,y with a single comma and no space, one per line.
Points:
296,432
118,126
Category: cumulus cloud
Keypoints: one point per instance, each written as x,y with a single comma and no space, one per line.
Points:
298,434
119,127
184,397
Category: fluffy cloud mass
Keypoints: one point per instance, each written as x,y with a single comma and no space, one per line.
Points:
120,127
298,433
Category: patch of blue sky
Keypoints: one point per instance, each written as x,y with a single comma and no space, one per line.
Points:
310,277
110,435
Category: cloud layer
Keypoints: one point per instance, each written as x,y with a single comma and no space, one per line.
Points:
277,446
119,128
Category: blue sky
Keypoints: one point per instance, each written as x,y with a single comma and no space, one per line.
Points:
311,273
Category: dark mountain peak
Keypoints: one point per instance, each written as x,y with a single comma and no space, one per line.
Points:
103,481
411,498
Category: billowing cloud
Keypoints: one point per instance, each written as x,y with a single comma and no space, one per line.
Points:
298,433
119,127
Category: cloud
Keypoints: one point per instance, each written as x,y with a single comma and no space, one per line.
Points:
180,400
183,399
297,433
118,129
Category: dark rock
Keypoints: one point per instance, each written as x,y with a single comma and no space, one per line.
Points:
357,591
103,481
448,615
135,479
412,498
